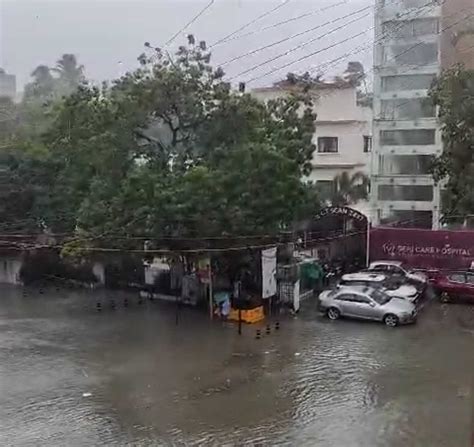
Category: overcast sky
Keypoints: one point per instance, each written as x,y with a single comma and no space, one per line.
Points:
108,35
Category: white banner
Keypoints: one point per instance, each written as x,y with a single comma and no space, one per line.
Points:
269,266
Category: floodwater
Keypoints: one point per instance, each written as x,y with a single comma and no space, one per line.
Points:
70,376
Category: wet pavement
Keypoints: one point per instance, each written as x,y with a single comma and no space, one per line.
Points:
152,383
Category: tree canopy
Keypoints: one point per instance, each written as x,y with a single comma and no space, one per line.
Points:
453,93
169,151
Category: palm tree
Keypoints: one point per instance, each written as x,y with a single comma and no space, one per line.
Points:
71,75
42,85
349,189
42,74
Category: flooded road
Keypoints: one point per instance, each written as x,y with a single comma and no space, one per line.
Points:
70,376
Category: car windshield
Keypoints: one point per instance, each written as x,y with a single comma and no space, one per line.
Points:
379,297
391,285
359,282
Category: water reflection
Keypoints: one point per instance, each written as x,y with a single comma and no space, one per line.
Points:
314,382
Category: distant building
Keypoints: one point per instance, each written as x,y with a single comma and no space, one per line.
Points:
343,136
457,42
418,39
7,85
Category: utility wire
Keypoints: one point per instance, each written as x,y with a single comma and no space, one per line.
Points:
23,247
466,50
294,36
314,53
296,18
382,37
302,16
284,22
302,46
261,16
199,14
337,59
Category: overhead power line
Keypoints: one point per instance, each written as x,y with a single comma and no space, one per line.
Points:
261,16
291,50
237,248
380,38
330,22
199,14
345,56
284,22
410,66
309,55
302,16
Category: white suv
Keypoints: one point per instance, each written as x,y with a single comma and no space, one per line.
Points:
397,268
380,282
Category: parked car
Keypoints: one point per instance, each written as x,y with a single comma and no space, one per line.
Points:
398,268
394,287
366,303
455,286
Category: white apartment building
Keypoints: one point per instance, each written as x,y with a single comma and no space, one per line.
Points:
343,136
406,130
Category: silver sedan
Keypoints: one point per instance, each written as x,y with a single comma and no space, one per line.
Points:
367,303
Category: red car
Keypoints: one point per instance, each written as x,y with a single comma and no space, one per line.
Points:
455,286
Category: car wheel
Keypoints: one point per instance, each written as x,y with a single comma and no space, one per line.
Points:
333,313
391,320
445,298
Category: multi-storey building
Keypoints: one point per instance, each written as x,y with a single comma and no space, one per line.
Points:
415,40
343,136
457,40
406,131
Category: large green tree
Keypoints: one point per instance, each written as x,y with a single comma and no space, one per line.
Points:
168,151
45,91
28,167
454,95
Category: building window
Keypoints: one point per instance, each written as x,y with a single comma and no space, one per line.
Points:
407,82
405,164
411,109
408,219
328,145
367,143
423,53
411,3
408,137
406,193
411,28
